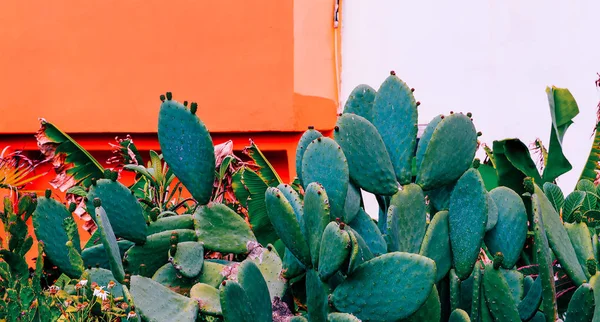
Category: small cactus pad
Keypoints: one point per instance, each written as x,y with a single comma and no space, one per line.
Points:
47,223
316,217
291,265
425,138
222,229
359,253
502,307
235,303
559,239
270,265
581,305
407,220
477,295
459,315
286,225
187,148
171,223
341,317
122,208
508,236
295,201
189,258
316,297
154,253
360,101
467,218
158,303
449,152
436,244
368,230
515,281
580,237
102,277
352,204
531,302
430,311
369,163
109,241
325,163
252,281
492,213
96,255
208,298
170,277
307,137
395,116
334,251
374,283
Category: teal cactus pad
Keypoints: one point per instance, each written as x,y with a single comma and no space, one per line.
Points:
455,294
544,260
298,318
440,197
307,137
407,220
508,236
47,223
270,265
459,315
376,282
531,302
286,225
169,277
341,317
580,237
316,217
235,304
359,252
156,303
395,116
252,281
492,214
477,295
154,253
334,251
189,258
559,239
368,230
467,221
502,307
425,138
325,163
96,255
291,265
369,163
316,297
431,310
360,101
109,241
581,305
449,152
187,148
352,204
222,229
170,223
208,298
102,277
295,201
122,208
515,281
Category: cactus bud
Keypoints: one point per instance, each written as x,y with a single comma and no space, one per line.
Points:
185,103
97,265
393,73
224,283
174,238
418,103
114,176
451,112
142,269
194,107
339,114
311,127
498,259
270,248
72,207
337,220
319,139
469,114
591,266
476,163
48,193
162,98
528,183
479,133
336,128
107,174
442,117
97,202
169,96
69,243
342,226
412,89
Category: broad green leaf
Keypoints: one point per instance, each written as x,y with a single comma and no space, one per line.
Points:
508,175
489,175
518,154
266,172
555,195
257,209
240,192
590,200
572,203
592,165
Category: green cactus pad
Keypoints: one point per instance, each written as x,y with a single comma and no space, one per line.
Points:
531,302
373,284
235,303
286,225
325,163
467,221
436,244
492,214
459,315
316,217
294,198
102,277
291,265
189,258
508,236
425,139
208,298
156,303
298,318
395,116
502,307
170,277
109,241
449,152
187,148
124,212
580,237
171,223
476,294
352,205
581,305
222,229
316,297
252,281
154,253
369,163
96,255
440,197
360,101
368,230
455,290
359,253
334,251
431,310
515,281
544,261
270,265
341,317
47,223
407,220
559,239
307,137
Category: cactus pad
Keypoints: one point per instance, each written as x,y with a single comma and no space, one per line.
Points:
316,217
222,229
580,237
189,258
502,307
430,311
96,255
208,298
581,305
407,220
252,281
459,315
360,101
531,302
368,230
235,303
307,137
157,303
316,297
171,223
359,253
109,241
492,213
436,244
352,204
334,251
270,265
544,261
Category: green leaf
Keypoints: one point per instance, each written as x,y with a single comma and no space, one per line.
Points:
489,175
78,191
572,203
257,209
266,172
555,195
590,200
508,175
592,165
156,165
240,192
518,154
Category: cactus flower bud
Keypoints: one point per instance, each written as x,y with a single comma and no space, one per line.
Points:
498,259
97,202
48,193
169,96
592,265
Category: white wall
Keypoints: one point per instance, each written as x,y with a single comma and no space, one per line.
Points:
492,58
